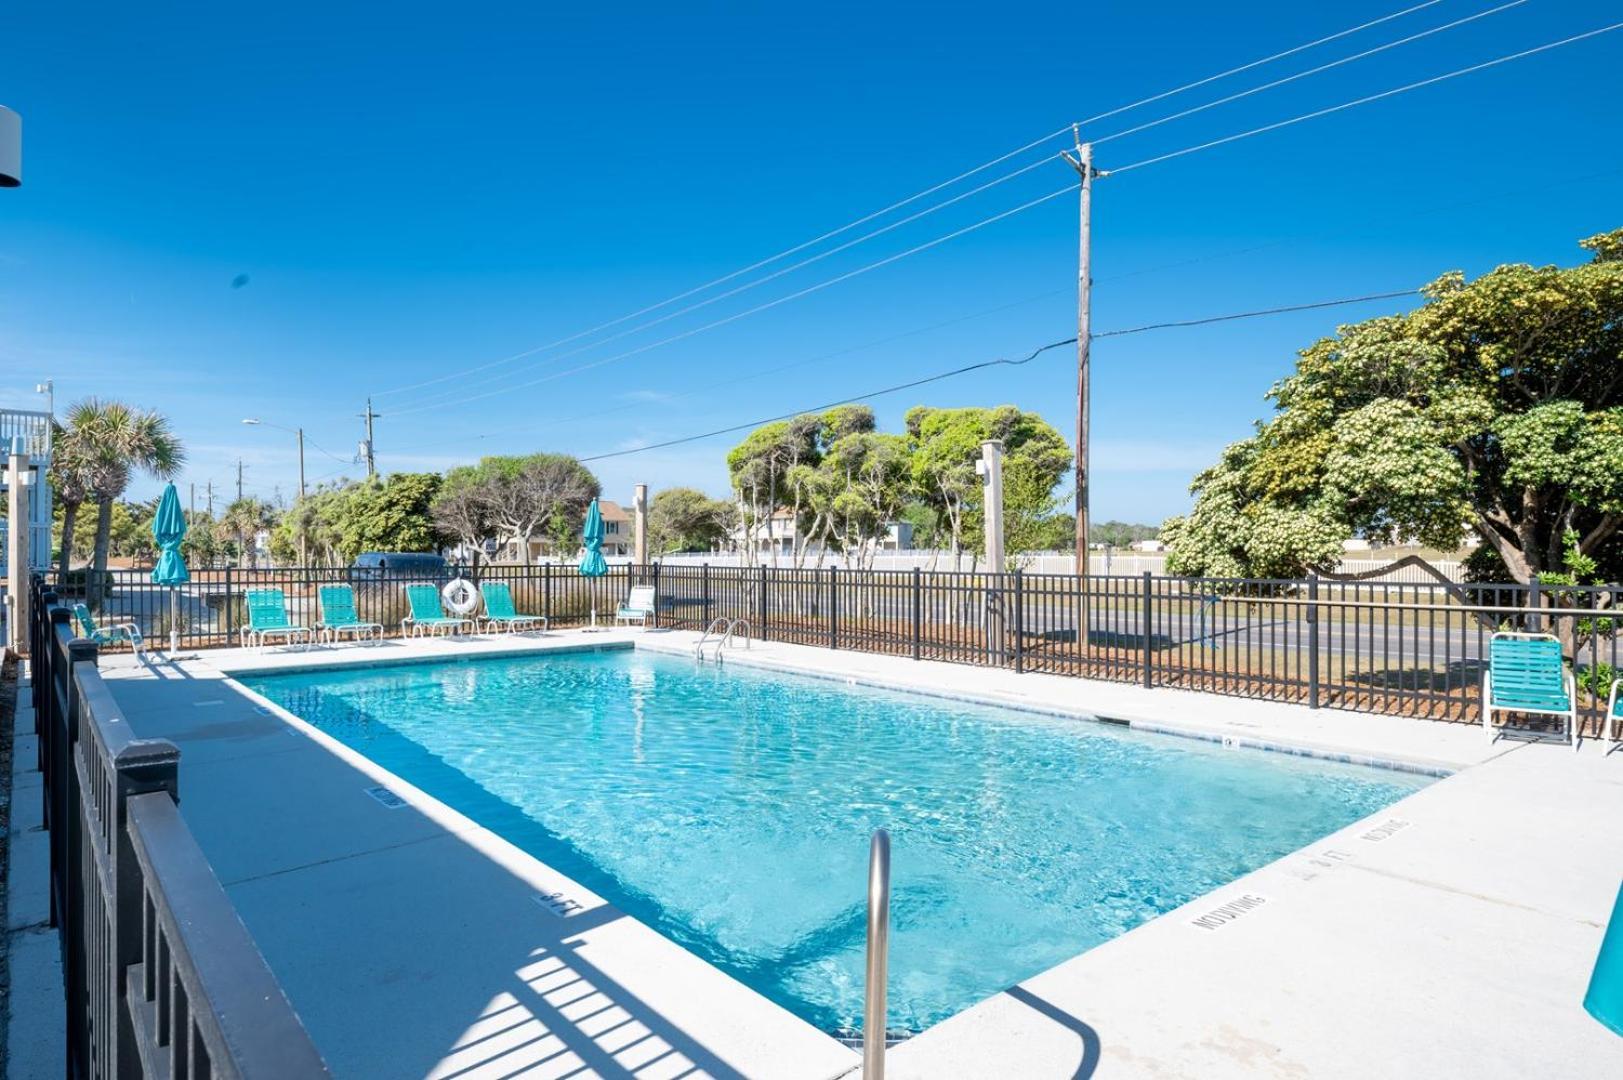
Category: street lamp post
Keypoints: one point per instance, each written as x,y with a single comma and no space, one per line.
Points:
303,560
294,431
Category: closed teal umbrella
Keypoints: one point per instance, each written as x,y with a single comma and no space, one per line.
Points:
1605,998
169,529
592,563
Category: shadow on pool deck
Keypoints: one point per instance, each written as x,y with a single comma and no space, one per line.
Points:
1091,1051
413,945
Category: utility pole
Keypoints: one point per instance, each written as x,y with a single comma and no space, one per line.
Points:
1083,164
301,463
239,479
192,509
371,457
211,498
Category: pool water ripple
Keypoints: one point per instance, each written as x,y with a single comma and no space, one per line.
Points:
730,809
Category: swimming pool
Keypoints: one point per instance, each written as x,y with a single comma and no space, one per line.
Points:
730,809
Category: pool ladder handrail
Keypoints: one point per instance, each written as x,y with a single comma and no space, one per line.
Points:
878,968
722,630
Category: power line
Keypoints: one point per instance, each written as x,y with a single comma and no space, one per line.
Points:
791,268
461,388
764,372
1259,63
761,307
1498,196
769,260
1257,314
1304,74
1366,100
966,369
1162,96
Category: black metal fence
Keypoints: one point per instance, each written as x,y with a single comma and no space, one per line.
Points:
1404,648
160,977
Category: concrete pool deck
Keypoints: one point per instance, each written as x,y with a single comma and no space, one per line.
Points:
1451,935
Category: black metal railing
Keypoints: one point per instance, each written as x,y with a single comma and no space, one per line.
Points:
1393,647
160,977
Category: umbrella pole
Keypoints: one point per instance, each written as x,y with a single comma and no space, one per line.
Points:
174,621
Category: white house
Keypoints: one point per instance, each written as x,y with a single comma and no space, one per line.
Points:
617,538
783,534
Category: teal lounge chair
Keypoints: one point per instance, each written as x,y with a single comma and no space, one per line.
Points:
427,617
267,619
638,606
1527,674
111,634
338,615
499,611
1611,725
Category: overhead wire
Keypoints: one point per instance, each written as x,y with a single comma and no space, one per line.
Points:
1001,362
1146,126
1161,96
1316,113
819,286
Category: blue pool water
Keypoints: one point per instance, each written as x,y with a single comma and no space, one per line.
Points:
730,808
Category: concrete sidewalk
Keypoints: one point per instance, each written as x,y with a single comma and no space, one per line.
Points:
36,1031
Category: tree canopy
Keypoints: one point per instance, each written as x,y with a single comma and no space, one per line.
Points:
686,519
843,483
514,499
1495,407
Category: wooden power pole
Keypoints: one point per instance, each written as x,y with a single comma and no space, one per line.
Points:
371,457
1082,162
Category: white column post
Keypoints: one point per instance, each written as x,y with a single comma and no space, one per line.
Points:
990,468
19,525
639,529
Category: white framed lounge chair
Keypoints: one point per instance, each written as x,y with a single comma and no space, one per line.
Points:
500,612
1528,674
428,617
1611,725
267,619
111,633
638,607
338,616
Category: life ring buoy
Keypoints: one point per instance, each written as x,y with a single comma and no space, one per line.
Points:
460,596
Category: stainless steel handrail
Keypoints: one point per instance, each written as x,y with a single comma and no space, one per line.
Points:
873,1013
721,621
732,629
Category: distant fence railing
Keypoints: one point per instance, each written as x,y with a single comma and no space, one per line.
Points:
1108,564
1408,648
161,979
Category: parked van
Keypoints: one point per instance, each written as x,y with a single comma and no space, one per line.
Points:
400,567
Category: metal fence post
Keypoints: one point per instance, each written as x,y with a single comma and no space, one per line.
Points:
229,612
1312,640
833,607
763,603
918,598
704,597
546,591
1147,630
140,767
656,594
1019,621
1535,604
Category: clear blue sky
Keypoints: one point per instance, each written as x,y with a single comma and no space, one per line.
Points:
416,190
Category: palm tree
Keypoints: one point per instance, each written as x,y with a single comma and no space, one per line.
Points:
70,484
243,520
116,440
